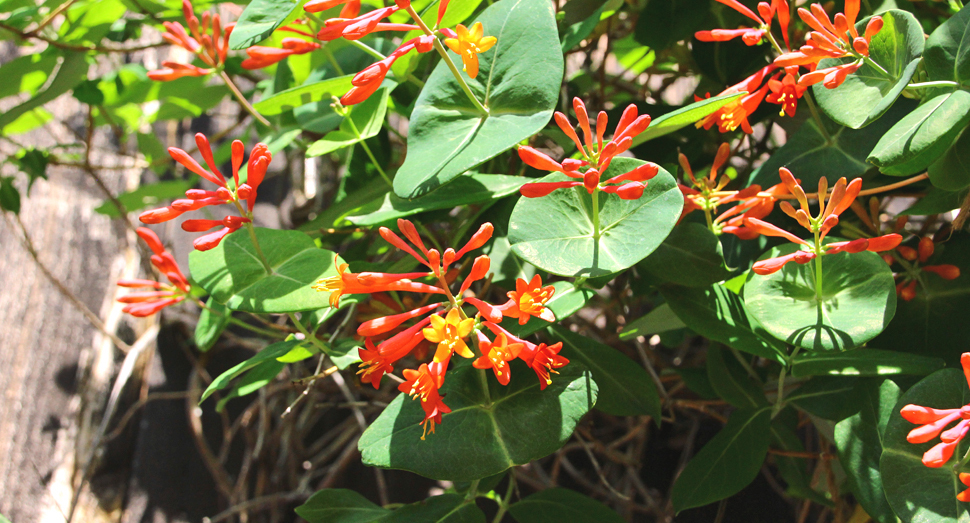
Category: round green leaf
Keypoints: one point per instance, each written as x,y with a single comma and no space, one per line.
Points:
858,300
233,274
946,55
518,81
690,256
868,93
483,435
916,492
555,232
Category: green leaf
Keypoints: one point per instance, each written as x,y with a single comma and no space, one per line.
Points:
367,116
727,463
580,22
87,92
467,190
859,443
916,492
810,156
932,323
146,196
731,382
625,389
556,505
720,315
567,299
9,195
71,70
254,379
690,256
952,170
522,424
863,362
791,469
33,163
304,94
233,274
868,93
662,24
212,321
270,353
858,300
258,21
828,397
448,508
339,506
946,55
555,232
518,81
687,115
660,319
936,200
923,135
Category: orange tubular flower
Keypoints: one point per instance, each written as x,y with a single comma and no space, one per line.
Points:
542,358
839,200
450,333
260,56
210,46
785,92
933,421
529,299
468,43
596,156
259,160
735,114
496,356
750,36
141,304
912,264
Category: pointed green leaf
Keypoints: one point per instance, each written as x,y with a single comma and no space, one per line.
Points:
258,21
270,353
859,443
340,506
367,116
946,55
234,275
555,232
212,321
952,170
858,300
731,382
518,81
483,435
448,508
727,463
863,362
304,94
687,115
660,319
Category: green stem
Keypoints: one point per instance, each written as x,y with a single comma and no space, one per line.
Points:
472,491
306,334
451,65
333,60
780,398
259,250
938,83
236,321
367,49
818,269
353,127
242,100
873,63
710,221
596,214
818,120
503,503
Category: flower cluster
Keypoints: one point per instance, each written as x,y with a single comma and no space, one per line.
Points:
208,40
912,262
707,194
828,39
447,325
259,160
933,421
597,156
146,303
841,197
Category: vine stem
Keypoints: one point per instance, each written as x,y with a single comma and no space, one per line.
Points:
780,398
503,504
451,65
818,120
306,335
363,144
243,101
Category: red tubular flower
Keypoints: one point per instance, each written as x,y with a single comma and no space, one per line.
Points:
907,281
259,160
211,46
839,200
376,361
141,304
424,383
367,81
750,36
785,92
260,56
529,299
933,421
174,70
596,156
542,358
